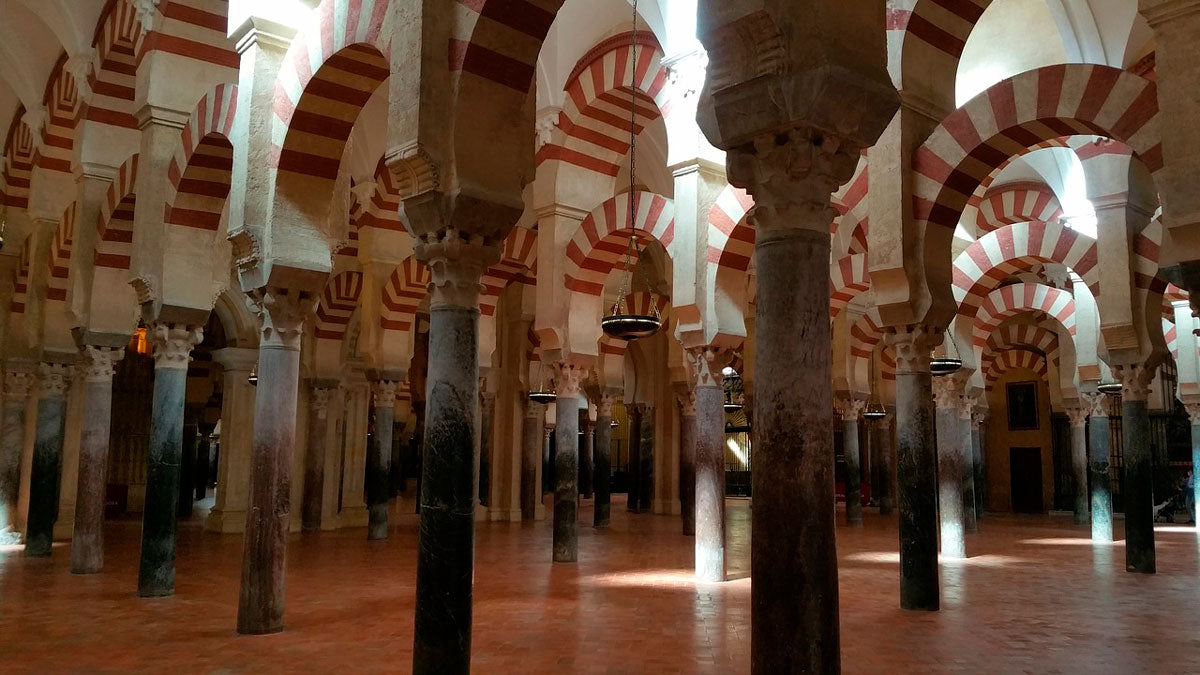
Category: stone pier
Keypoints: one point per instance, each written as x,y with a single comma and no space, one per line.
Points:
46,472
87,541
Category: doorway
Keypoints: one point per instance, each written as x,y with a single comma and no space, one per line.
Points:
1025,467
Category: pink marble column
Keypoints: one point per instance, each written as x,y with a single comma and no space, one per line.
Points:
281,314
87,542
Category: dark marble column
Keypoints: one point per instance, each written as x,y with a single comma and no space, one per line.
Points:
379,457
850,409
568,379
282,313
966,410
396,478
204,457
87,541
687,461
633,472
487,403
917,467
1194,414
705,365
603,461
881,437
1078,415
1137,488
531,451
446,548
1098,458
18,383
46,473
951,464
587,428
646,463
314,459
187,464
547,457
173,345
981,485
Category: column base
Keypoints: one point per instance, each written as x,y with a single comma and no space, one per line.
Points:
225,522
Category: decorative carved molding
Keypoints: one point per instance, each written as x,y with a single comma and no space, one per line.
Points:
912,346
1078,414
383,393
544,128
173,343
687,403
144,287
318,400
746,49
100,363
247,253
605,405
947,391
413,169
1097,404
1193,411
705,365
80,66
850,408
281,315
456,266
569,379
146,13
18,385
54,379
792,178
1135,381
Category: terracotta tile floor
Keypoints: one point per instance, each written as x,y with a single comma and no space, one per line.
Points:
1035,597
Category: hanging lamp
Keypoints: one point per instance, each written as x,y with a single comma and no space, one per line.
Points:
1111,388
622,323
940,366
542,394
253,378
732,384
874,409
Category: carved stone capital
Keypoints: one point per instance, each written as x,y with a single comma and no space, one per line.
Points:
281,315
705,365
100,363
1193,411
687,403
1135,381
947,392
1078,414
605,405
792,177
18,385
173,343
383,393
850,408
1097,404
568,379
54,379
456,264
912,346
81,65
318,400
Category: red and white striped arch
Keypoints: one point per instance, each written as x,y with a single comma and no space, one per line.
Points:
402,295
1171,337
730,238
1015,299
865,337
602,238
118,42
1014,203
382,209
19,148
114,249
499,40
848,277
1014,359
64,109
849,229
21,283
995,256
337,305
329,73
595,115
985,185
1021,336
518,265
1013,115
59,263
201,170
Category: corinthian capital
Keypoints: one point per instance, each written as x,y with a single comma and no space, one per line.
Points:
705,364
54,379
383,393
100,363
281,314
18,384
687,403
792,177
1135,381
568,379
605,405
173,343
912,346
456,263
946,393
1097,404
1078,414
850,408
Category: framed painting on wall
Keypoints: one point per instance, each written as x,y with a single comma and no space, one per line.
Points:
1022,406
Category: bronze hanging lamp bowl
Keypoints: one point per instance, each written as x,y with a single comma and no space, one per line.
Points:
944,365
875,411
253,378
543,397
630,327
1110,388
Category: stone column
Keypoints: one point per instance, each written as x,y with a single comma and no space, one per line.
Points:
850,409
173,345
1078,415
187,464
1193,410
46,472
203,460
881,437
705,365
951,466
981,491
17,386
314,460
379,458
531,446
603,463
646,463
587,428
487,407
446,548
687,460
1101,481
568,379
633,471
281,314
966,409
87,541
237,429
917,466
1137,489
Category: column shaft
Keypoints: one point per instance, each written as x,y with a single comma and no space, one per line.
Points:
586,448
1079,470
950,479
487,407
1137,490
87,542
646,463
970,522
853,471
156,571
1195,472
379,461
46,473
634,461
531,446
12,443
566,479
314,461
1101,481
709,444
187,467
981,486
603,463
882,435
687,465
